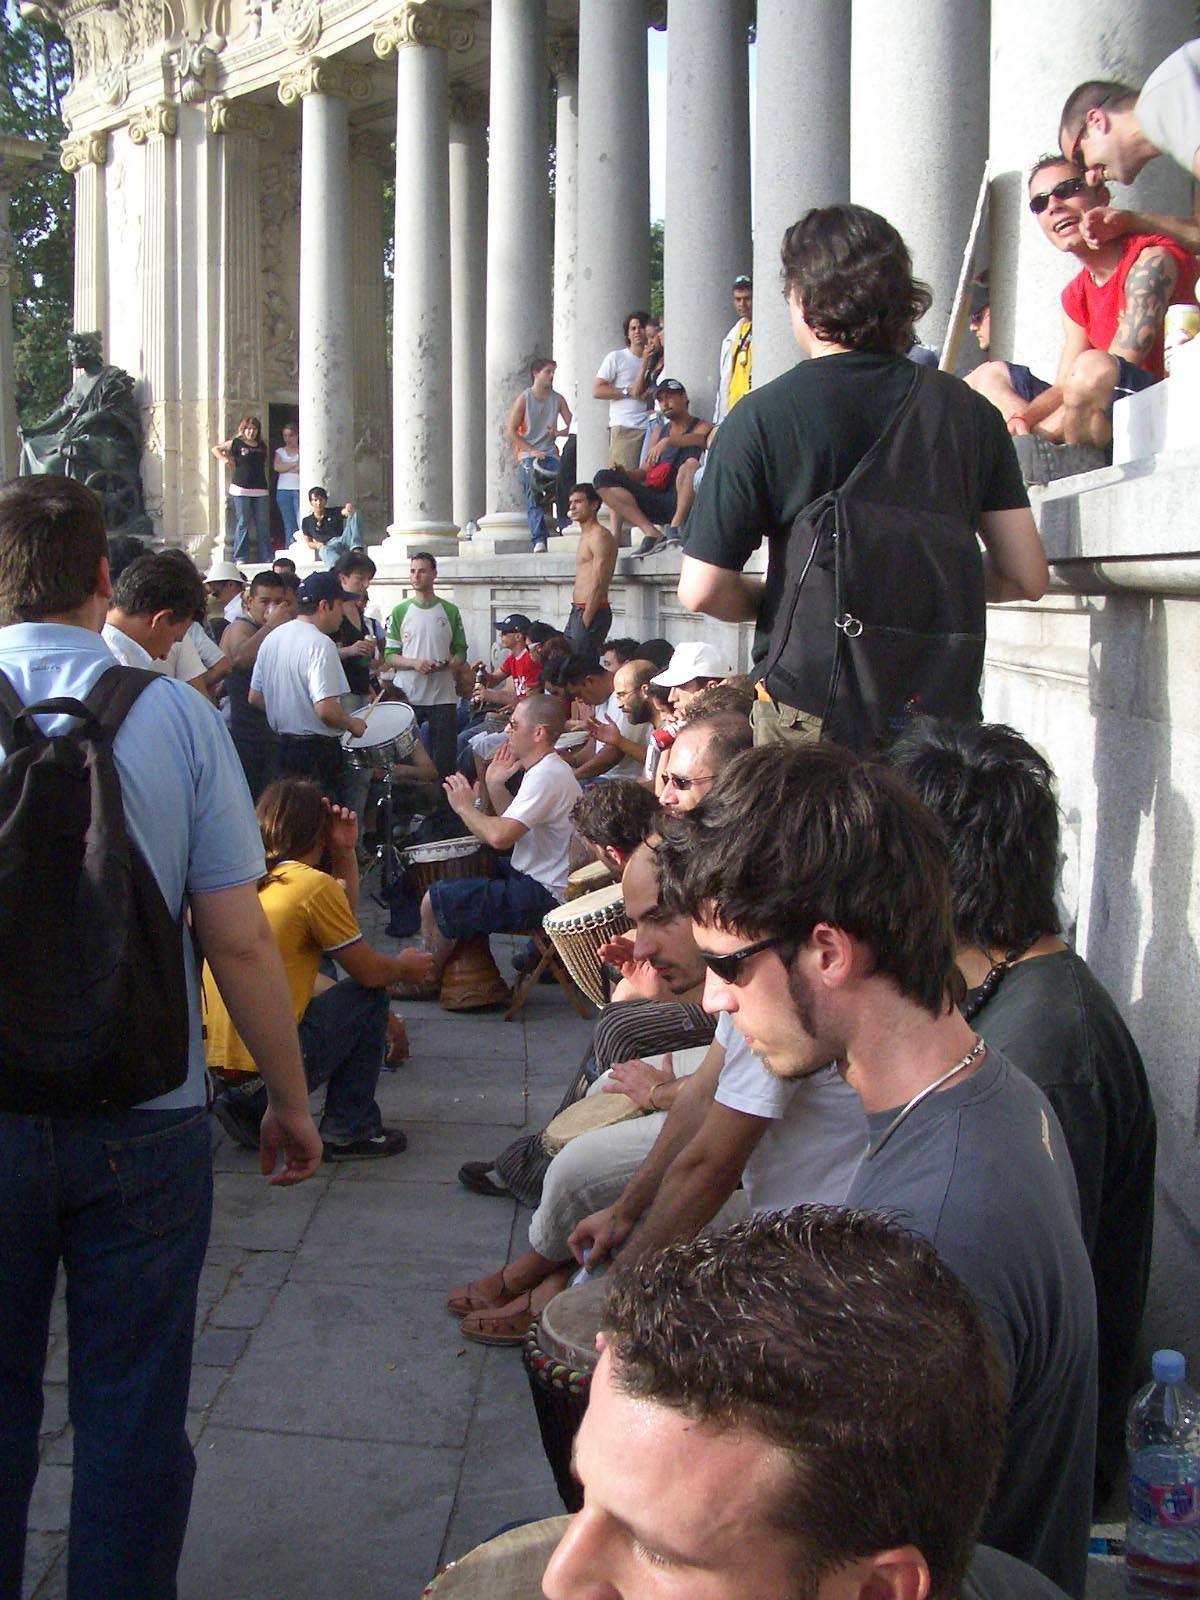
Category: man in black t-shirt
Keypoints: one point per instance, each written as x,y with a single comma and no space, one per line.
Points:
853,301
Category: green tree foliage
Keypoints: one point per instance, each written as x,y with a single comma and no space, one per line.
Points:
35,73
656,269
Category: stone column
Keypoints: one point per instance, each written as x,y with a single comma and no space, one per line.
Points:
85,158
518,265
707,240
614,198
564,66
370,158
18,158
326,243
802,148
419,35
468,302
154,128
918,135
1038,56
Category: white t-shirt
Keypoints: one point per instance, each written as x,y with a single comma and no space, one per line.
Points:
621,367
204,645
818,1132
291,478
296,666
233,609
543,803
424,633
1168,108
181,660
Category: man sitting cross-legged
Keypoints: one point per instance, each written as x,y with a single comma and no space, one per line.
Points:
637,495
1113,312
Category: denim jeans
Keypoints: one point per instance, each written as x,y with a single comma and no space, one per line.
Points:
538,527
288,501
438,726
350,538
248,508
124,1201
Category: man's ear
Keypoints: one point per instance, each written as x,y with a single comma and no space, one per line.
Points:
900,1574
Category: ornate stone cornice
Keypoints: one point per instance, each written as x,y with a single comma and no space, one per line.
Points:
160,120
319,76
240,116
562,55
425,22
465,104
193,63
86,149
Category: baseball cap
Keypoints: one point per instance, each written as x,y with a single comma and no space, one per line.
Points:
692,660
514,623
224,572
742,282
670,386
321,586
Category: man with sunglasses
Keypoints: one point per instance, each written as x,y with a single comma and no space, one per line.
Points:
1113,312
818,887
1112,131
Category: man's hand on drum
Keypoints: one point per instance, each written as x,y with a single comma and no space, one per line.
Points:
341,829
460,793
356,727
597,1237
639,1080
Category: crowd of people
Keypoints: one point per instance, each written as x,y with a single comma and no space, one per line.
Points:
877,1195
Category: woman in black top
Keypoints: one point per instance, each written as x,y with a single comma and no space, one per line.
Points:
247,453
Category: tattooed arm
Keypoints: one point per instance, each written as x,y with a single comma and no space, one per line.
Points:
1148,287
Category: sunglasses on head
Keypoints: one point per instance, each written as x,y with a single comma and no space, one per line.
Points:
1060,191
727,967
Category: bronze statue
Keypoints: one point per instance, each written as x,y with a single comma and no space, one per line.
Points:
95,435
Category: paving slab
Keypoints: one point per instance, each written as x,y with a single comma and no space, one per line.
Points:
252,1215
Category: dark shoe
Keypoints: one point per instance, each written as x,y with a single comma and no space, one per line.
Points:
477,1176
240,1120
672,536
525,960
649,545
388,1143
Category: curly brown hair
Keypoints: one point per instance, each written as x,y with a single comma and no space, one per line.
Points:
853,275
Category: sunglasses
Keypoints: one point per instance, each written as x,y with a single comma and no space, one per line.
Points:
727,967
683,784
1060,191
1077,147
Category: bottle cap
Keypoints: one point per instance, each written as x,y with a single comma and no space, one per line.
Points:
1168,1366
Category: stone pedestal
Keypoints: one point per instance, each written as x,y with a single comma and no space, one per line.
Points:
468,303
707,242
518,280
564,64
802,148
18,157
614,199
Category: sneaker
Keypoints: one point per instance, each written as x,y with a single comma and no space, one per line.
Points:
388,1143
649,545
240,1119
480,1177
525,960
672,536
539,548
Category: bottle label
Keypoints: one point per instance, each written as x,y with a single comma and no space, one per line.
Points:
1171,1505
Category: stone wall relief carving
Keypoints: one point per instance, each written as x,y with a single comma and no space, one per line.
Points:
299,22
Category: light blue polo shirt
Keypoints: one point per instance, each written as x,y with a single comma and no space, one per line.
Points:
187,806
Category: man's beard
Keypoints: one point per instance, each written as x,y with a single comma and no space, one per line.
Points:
637,712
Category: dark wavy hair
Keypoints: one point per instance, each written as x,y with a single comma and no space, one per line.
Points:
853,274
291,819
994,797
793,835
849,1346
617,815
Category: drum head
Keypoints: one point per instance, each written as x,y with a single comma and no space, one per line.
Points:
594,1111
568,1325
386,720
442,850
574,740
599,905
509,1567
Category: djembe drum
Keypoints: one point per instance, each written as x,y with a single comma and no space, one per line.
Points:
559,1357
508,1567
580,927
471,980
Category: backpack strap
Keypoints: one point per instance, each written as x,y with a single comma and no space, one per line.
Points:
114,693
11,707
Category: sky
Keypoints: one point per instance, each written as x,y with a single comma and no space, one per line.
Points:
656,74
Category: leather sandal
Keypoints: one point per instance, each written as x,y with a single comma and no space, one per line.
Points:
474,1297
501,1325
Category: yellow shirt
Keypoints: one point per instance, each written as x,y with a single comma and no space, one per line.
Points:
739,367
310,917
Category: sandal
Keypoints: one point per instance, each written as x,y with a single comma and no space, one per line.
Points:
501,1325
479,1296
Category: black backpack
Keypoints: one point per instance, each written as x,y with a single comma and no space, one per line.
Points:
93,996
881,614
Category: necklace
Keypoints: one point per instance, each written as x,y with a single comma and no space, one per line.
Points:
972,1054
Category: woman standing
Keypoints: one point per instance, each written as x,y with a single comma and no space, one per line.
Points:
287,481
247,453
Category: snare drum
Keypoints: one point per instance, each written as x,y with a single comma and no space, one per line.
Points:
391,736
559,1357
508,1567
580,927
471,980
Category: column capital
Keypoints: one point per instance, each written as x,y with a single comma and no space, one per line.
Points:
466,104
656,15
425,22
316,75
562,55
158,120
88,149
240,116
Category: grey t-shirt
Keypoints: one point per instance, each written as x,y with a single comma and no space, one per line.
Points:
1168,108
994,1576
981,1170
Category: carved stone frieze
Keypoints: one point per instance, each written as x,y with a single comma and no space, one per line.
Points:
319,76
160,120
193,65
562,55
88,148
425,22
465,104
107,39
299,22
240,116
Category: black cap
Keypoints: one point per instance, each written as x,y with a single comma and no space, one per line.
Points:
515,623
742,282
670,386
321,586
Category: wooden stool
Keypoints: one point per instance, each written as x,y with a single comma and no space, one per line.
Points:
548,956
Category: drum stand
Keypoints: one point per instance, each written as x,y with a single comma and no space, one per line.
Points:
395,826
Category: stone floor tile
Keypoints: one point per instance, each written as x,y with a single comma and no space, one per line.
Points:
454,1089
249,1214
45,1553
206,1384
219,1347
50,1507
241,1307
264,1269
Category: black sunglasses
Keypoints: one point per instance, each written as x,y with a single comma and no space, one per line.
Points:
1060,191
683,784
727,967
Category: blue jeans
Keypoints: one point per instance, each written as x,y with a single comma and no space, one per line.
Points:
539,529
288,501
248,507
125,1203
350,538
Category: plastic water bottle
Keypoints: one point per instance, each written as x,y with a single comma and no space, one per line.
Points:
1162,1535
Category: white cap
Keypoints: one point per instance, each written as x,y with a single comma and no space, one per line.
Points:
224,572
692,660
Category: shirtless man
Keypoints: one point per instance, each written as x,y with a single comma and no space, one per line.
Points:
591,615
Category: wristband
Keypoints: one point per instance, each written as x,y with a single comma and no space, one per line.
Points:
653,1104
